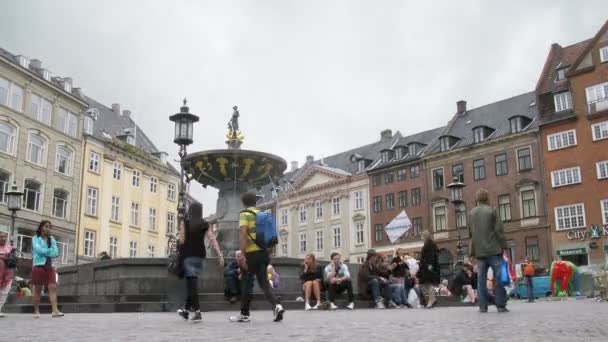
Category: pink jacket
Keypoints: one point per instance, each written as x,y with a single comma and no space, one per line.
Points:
6,275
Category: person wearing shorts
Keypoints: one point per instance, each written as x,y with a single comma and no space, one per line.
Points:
43,274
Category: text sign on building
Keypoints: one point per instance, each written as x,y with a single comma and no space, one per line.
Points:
581,234
567,252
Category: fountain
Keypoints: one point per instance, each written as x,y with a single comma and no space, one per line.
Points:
233,171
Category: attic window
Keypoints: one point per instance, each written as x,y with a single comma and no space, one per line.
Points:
604,54
399,153
23,61
481,133
518,123
445,143
46,75
361,165
561,74
412,149
130,140
386,156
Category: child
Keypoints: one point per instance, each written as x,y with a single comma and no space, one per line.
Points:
273,277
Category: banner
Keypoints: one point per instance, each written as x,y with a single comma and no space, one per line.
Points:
398,226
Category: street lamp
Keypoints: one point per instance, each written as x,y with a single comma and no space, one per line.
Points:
14,201
184,124
457,199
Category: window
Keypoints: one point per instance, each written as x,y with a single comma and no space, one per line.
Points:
440,219
115,214
566,177
525,159
378,229
479,169
563,101
171,192
152,219
5,179
318,209
532,248
458,172
361,165
319,235
358,200
117,171
416,197
604,54
600,131
377,204
402,199
11,95
390,201
284,217
135,214
337,237
399,153
412,149
94,159
444,143
91,202
130,140
66,122
170,223
561,140
133,249
7,138
461,216
602,169
504,207
385,156
515,124
113,247
597,98
528,203
302,214
501,164
88,125
389,177
136,177
335,204
604,206
377,180
415,171
150,251
561,74
36,149
153,184
32,195
570,216
40,109
63,160
303,242
417,226
89,243
479,134
284,243
359,233
401,174
60,203
437,179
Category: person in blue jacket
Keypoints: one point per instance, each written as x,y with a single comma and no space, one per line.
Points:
43,274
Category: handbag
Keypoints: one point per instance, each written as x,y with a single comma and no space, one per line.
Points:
504,280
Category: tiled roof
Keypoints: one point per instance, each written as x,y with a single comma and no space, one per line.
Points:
558,57
495,116
424,138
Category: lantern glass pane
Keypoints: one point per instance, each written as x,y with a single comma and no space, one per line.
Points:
190,129
176,135
183,129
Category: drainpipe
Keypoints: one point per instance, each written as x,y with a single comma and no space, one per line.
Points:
82,171
539,148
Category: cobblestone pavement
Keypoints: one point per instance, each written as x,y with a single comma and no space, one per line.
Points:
583,320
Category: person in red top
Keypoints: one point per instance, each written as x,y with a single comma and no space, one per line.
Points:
6,274
528,270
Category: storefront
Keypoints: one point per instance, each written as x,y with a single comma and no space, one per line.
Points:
577,256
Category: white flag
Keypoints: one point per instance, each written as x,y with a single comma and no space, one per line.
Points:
398,226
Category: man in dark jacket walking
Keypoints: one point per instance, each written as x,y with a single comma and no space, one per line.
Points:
488,243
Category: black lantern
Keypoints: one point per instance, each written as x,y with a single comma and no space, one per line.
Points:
14,203
184,125
455,187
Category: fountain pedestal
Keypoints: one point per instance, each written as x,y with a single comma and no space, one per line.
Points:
229,206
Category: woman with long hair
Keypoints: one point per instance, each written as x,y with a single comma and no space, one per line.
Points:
428,274
311,277
6,274
44,249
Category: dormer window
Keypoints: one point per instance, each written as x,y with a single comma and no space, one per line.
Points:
413,149
445,143
46,74
561,74
399,153
604,54
130,140
67,87
481,133
361,165
386,156
518,123
88,125
23,61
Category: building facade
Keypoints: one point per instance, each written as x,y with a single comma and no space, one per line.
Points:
572,94
494,147
129,192
40,150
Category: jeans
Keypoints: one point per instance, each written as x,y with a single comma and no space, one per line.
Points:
335,289
192,269
378,290
232,286
400,294
483,264
529,287
257,262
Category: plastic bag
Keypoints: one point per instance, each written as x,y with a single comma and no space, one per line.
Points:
413,300
504,280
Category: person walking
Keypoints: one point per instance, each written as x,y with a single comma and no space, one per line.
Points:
428,273
529,271
257,261
488,243
44,249
192,249
6,274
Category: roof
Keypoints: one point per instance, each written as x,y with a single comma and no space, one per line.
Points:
495,115
559,57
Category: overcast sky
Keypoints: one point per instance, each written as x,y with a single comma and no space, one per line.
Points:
310,77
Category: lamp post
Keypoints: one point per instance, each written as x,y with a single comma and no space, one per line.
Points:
14,199
457,199
184,124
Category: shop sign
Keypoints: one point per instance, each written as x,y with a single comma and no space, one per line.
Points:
575,251
594,233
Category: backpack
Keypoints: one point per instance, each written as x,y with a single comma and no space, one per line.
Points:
265,229
529,270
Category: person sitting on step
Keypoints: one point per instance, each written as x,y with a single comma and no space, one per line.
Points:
337,278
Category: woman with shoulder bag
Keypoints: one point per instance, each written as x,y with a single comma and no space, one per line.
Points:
6,263
43,274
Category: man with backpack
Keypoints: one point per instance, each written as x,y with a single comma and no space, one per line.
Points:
257,237
529,272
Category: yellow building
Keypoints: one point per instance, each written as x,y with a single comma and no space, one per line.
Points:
129,191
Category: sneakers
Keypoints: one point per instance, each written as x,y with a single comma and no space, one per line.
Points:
197,318
183,313
240,318
316,307
380,305
503,310
392,305
333,306
57,314
278,313
307,307
351,306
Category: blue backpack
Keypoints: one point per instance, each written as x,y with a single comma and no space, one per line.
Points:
265,229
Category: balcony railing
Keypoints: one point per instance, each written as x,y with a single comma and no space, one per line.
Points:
597,106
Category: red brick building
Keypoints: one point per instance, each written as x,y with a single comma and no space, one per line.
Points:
572,96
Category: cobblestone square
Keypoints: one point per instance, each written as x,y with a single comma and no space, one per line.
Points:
574,320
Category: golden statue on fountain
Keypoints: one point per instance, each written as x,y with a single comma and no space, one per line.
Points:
234,135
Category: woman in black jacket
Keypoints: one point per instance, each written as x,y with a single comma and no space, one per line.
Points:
311,276
428,274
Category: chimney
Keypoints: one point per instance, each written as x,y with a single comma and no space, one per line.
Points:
310,159
461,107
294,165
116,108
36,64
78,92
387,134
126,113
67,84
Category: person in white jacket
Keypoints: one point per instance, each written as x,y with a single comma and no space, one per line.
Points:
337,278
